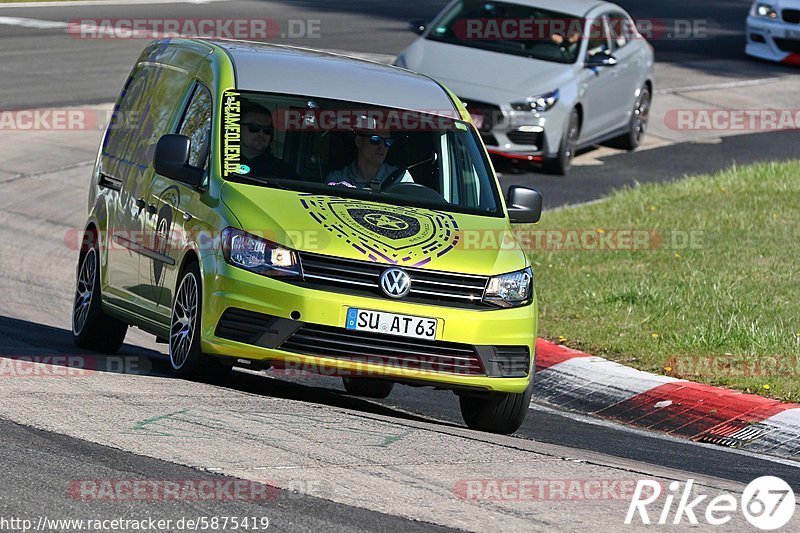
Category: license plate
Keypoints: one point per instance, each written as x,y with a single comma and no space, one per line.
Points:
793,34
391,323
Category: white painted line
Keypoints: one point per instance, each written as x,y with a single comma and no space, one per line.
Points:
82,3
32,23
722,85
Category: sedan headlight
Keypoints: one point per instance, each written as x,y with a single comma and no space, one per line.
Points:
761,9
510,290
244,250
537,103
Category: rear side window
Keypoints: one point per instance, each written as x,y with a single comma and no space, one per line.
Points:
144,112
196,125
598,38
620,28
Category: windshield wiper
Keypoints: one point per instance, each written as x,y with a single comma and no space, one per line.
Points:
252,180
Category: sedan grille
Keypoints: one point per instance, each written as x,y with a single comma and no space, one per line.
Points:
362,278
791,16
491,113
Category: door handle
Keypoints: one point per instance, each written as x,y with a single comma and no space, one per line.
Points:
151,209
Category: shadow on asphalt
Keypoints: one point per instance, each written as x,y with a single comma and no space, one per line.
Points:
29,341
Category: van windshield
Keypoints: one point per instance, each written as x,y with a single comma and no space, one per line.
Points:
356,150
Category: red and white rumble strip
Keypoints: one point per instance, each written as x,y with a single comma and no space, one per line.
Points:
597,386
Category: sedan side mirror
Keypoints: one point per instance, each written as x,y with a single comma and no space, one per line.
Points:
172,160
601,59
524,205
418,26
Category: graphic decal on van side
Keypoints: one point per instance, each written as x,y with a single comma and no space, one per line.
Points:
392,234
171,199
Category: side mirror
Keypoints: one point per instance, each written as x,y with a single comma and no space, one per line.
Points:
171,160
601,59
418,26
524,205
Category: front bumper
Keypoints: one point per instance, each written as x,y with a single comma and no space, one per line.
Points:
521,135
773,40
233,288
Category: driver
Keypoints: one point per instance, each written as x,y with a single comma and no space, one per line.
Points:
372,146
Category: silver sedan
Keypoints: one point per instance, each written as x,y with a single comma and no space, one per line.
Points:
541,78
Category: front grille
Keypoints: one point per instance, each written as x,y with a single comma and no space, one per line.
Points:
526,137
361,278
791,16
788,45
489,139
387,350
491,113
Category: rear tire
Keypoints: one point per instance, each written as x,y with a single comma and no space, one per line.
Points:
185,356
368,388
92,329
637,125
562,163
500,413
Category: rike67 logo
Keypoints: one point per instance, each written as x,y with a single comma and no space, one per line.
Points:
767,503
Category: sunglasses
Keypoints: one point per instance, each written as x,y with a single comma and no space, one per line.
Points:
255,128
377,139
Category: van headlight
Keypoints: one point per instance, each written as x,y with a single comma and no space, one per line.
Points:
541,103
761,9
510,290
244,250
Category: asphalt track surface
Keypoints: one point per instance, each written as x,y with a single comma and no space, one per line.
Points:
47,68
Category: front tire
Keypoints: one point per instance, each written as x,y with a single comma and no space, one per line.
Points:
185,355
562,163
92,329
637,125
368,388
499,413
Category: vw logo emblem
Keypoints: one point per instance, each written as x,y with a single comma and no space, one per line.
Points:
395,283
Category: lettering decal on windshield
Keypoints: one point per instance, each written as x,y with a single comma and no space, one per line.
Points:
385,234
232,134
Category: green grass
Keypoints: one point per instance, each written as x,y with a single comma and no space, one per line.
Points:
725,311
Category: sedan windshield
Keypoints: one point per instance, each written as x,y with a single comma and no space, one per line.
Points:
511,29
356,150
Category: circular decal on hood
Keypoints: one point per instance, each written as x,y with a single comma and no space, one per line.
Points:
397,235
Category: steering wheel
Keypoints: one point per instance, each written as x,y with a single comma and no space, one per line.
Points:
389,180
416,190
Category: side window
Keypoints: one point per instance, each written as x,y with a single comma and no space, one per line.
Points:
196,125
620,29
598,38
144,113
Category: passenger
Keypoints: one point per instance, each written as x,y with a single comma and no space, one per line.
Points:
257,134
569,46
372,146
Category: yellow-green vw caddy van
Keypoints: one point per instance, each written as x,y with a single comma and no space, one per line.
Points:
291,208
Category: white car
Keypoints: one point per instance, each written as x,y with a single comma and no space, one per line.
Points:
541,78
773,31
